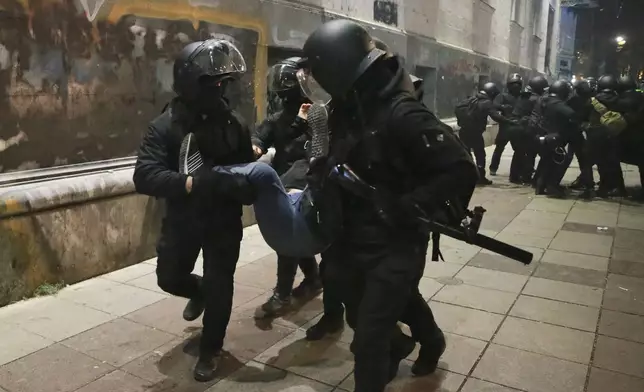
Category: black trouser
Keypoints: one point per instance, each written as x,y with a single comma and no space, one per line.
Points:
520,169
502,140
177,253
604,150
287,269
552,158
475,143
332,295
577,148
379,286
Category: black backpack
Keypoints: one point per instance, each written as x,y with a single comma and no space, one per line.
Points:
466,111
536,124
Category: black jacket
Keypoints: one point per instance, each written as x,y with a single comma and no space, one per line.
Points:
485,108
286,132
223,139
402,149
559,117
505,103
582,108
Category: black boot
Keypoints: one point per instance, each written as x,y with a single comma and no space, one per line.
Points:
482,179
308,289
326,326
194,308
275,306
401,347
206,367
429,354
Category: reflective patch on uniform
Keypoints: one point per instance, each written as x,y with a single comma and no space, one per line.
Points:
440,137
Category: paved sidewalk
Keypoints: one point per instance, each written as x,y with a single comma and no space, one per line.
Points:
573,321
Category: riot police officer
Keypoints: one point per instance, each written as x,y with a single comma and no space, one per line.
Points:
528,108
472,128
506,102
631,141
204,208
580,103
604,146
286,131
560,124
374,117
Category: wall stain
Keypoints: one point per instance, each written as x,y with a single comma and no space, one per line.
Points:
81,79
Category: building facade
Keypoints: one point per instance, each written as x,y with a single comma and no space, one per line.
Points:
80,79
566,55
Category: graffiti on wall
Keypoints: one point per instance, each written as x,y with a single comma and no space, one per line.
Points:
81,79
385,11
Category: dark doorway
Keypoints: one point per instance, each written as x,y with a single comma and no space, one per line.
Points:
428,74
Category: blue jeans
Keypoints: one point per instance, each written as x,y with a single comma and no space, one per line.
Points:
279,215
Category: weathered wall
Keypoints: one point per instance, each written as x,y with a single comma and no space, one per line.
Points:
80,79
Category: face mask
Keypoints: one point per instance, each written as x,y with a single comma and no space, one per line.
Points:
514,89
211,96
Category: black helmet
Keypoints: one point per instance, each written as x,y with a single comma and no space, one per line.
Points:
538,84
338,53
582,88
491,89
515,78
282,77
212,59
627,83
607,83
561,89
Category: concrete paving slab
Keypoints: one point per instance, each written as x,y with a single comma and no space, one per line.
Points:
546,339
563,291
118,342
603,380
327,361
16,343
465,321
476,297
53,369
129,273
622,325
592,217
624,294
474,385
256,377
590,244
575,260
628,268
497,262
529,371
53,318
441,380
620,356
556,312
569,274
496,280
118,381
110,297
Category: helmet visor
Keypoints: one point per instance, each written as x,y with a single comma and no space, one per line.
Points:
282,77
218,57
311,89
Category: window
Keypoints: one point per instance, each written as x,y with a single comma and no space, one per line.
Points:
537,7
516,11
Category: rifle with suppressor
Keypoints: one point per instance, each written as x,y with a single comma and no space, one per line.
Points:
467,231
